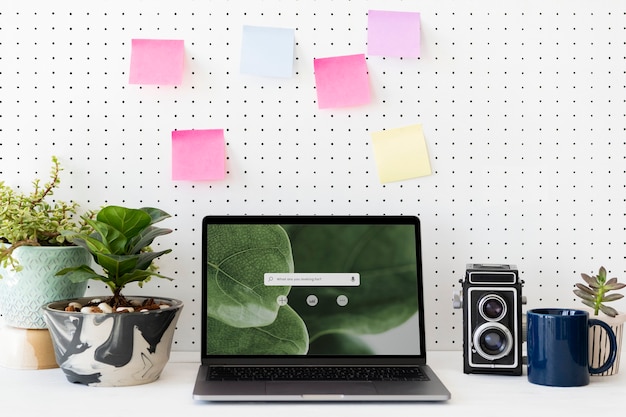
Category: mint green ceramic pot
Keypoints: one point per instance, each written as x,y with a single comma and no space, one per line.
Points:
23,292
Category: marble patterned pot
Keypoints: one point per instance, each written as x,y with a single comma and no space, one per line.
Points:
22,293
115,349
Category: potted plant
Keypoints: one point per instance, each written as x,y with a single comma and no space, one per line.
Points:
115,340
33,248
594,293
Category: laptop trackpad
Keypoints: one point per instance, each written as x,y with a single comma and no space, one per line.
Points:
311,388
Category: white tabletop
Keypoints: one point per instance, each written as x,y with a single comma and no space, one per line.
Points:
47,391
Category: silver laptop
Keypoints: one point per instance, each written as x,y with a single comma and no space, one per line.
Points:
313,308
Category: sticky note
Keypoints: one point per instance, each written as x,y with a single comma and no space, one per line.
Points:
341,81
267,51
401,153
393,34
198,154
157,61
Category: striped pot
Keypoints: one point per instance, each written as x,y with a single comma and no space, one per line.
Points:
599,346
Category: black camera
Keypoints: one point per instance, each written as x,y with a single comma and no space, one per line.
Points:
492,319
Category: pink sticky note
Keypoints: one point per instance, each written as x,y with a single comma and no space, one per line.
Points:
157,61
341,81
394,34
198,154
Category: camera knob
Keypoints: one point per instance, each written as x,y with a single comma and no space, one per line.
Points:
457,299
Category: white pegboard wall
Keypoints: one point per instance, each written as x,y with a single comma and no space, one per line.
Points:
522,107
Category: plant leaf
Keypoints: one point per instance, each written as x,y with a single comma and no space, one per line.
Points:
108,236
90,243
116,265
614,286
585,295
137,276
146,237
588,279
144,259
612,297
368,250
155,214
585,289
128,222
609,311
237,258
80,274
286,335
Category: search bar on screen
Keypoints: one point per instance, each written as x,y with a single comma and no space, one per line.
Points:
297,279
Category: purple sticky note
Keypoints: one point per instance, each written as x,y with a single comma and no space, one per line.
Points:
394,34
198,154
341,81
157,61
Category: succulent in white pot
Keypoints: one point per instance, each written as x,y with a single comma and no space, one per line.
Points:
115,340
595,292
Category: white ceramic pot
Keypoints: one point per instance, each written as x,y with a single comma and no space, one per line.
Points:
23,292
115,349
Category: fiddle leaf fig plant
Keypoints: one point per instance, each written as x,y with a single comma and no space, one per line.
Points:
594,292
34,219
119,241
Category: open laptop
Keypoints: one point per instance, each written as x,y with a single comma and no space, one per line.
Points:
313,308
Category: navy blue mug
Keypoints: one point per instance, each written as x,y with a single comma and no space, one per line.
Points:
558,347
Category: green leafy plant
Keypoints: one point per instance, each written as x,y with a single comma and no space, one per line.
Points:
594,293
119,240
34,219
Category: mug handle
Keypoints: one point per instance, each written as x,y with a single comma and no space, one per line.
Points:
612,341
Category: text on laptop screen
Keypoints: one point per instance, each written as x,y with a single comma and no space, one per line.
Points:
312,289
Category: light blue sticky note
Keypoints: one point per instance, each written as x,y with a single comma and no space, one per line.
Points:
267,51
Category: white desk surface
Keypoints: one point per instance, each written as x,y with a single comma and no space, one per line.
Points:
47,391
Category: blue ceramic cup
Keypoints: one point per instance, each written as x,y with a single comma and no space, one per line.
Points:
558,347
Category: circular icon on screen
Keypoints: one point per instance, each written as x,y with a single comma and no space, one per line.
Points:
282,300
342,301
312,300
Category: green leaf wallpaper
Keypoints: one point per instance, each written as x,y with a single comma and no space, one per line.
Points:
387,277
246,318
238,257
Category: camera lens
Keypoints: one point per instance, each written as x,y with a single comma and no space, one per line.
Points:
492,307
493,340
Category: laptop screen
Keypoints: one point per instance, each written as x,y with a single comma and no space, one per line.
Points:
312,285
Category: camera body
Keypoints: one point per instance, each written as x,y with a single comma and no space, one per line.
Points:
492,319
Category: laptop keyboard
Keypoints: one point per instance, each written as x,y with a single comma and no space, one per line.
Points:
316,373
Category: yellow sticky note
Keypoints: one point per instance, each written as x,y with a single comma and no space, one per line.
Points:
401,153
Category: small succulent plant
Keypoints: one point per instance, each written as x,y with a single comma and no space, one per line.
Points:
594,292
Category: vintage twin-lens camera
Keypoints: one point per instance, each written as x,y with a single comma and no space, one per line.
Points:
492,319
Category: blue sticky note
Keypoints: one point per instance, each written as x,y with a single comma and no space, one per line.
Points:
267,51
